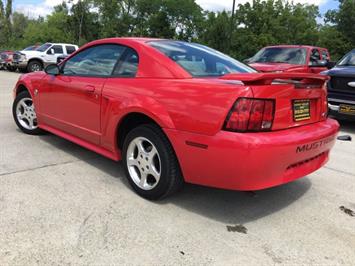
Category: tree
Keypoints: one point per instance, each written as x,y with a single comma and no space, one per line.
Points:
2,20
83,22
5,21
339,28
216,31
344,19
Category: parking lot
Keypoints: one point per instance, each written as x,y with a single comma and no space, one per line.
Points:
62,204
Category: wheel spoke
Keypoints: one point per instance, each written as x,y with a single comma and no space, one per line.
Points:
139,144
152,153
143,180
30,122
132,162
24,105
153,171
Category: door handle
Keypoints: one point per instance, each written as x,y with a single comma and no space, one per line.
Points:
89,89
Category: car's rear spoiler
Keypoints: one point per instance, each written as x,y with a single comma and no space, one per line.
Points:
270,78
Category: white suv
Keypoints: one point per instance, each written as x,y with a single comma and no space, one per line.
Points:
43,56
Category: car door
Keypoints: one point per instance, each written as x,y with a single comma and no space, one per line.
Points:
315,57
52,53
71,101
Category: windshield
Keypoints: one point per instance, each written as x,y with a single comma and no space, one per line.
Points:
348,60
199,60
30,48
44,47
295,56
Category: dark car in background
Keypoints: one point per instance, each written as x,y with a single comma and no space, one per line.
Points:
341,87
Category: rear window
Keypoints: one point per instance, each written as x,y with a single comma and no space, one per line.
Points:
199,60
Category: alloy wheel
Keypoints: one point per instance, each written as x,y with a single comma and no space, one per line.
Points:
26,115
143,163
35,67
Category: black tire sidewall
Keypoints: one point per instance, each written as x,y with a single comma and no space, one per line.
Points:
166,160
29,67
19,97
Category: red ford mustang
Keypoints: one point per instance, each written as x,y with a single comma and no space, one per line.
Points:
178,112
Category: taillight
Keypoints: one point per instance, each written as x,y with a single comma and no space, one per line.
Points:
250,114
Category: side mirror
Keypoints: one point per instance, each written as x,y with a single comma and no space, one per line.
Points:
53,70
50,51
331,64
319,63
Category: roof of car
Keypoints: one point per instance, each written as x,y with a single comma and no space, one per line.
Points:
137,39
51,43
295,46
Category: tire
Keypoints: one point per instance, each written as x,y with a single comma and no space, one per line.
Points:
11,69
162,171
34,66
24,114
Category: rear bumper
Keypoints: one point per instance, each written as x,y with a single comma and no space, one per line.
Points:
253,161
336,99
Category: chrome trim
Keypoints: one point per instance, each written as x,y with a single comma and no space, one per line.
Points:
333,107
340,101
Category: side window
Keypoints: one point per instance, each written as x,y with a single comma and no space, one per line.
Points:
325,55
128,65
58,49
94,61
315,56
70,49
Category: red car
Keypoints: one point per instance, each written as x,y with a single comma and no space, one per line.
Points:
6,59
291,58
178,112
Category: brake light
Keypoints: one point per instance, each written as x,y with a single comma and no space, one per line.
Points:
250,114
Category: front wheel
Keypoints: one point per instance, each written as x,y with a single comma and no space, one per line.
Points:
150,163
11,68
34,66
24,114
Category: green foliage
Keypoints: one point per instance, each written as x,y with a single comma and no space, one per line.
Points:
338,34
255,24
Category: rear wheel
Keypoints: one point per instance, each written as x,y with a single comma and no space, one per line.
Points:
150,163
24,114
34,66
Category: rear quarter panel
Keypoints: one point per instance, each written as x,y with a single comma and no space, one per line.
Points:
191,105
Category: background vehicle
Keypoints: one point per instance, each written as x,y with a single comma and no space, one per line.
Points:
61,58
341,87
176,111
1,61
6,59
291,58
12,66
46,54
18,55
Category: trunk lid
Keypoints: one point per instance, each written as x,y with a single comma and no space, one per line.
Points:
300,98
